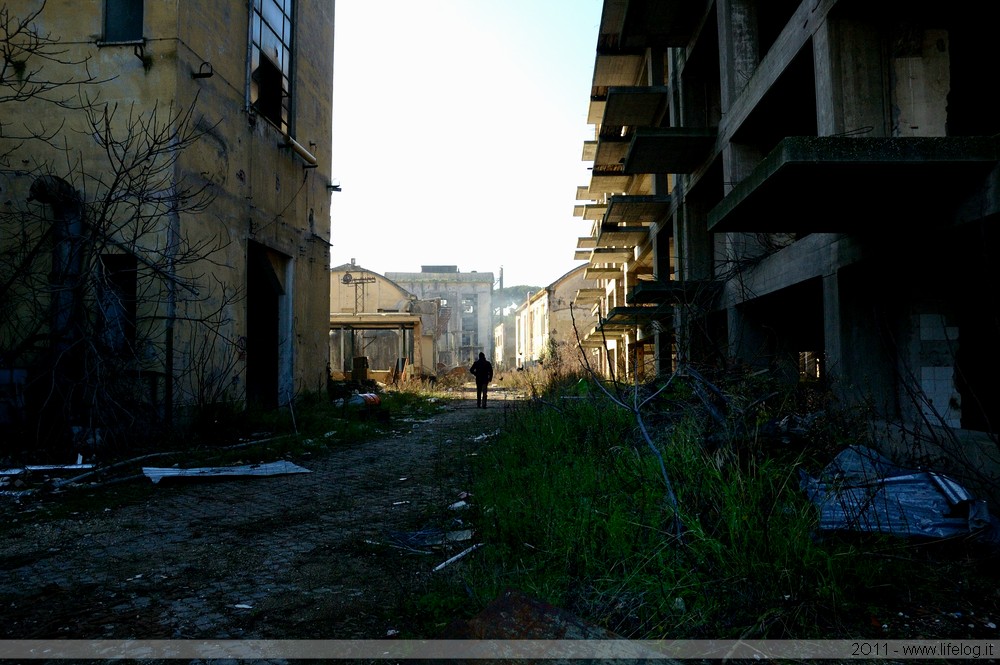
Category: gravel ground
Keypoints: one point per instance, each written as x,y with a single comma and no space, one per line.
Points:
338,553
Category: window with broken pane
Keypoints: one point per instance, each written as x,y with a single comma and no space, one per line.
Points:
271,27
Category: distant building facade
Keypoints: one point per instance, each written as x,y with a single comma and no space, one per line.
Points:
505,344
549,326
380,326
466,322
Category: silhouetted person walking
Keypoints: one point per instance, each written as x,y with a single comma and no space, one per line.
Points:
482,369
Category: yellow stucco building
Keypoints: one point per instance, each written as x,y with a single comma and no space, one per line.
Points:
164,208
380,327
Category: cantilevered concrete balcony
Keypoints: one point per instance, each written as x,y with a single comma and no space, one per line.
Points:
624,320
612,235
588,296
609,151
636,210
662,23
669,150
594,272
590,211
614,255
641,23
673,292
635,315
617,66
634,106
811,184
604,181
586,242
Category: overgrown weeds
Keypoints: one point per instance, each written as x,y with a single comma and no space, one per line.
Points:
572,508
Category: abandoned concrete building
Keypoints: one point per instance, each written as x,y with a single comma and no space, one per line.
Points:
466,326
378,329
164,231
504,350
550,328
809,188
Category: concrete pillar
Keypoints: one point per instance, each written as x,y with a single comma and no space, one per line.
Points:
850,77
832,331
747,341
921,81
738,47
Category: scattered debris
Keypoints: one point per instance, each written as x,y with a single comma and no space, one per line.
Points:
792,427
485,435
32,468
459,505
860,490
243,606
270,469
429,537
360,399
458,556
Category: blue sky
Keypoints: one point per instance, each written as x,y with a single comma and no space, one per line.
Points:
458,127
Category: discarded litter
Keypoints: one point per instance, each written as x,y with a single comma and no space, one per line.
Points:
269,469
45,467
458,556
459,505
243,606
860,490
360,399
400,503
429,537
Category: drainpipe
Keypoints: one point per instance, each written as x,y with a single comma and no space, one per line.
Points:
307,157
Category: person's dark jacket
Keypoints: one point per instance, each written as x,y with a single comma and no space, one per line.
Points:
482,369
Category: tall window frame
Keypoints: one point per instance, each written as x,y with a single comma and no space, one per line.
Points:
270,62
123,21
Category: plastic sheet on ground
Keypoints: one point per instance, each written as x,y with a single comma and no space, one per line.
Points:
270,469
861,490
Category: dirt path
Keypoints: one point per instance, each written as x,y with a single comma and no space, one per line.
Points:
331,554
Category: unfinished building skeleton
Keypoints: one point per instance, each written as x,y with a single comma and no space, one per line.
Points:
809,188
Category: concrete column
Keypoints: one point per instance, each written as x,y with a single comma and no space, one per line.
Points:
738,47
850,79
832,330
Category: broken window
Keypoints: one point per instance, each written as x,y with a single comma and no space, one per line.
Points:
116,298
271,60
122,20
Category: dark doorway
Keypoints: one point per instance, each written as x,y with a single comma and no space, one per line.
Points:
263,292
